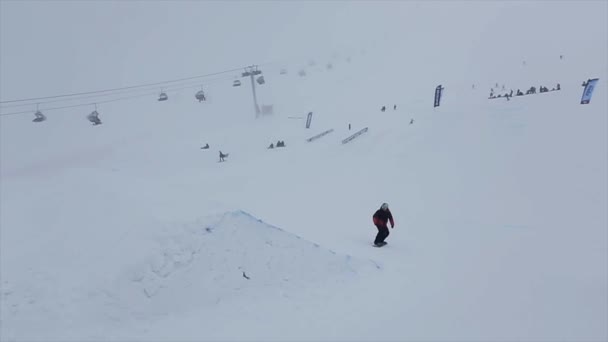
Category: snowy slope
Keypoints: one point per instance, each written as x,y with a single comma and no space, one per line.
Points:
129,231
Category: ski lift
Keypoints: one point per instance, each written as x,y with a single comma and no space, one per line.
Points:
39,117
200,96
260,80
236,83
94,118
163,97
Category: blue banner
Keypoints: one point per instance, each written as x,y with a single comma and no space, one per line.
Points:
589,86
438,91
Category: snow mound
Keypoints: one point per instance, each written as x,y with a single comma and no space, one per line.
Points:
206,264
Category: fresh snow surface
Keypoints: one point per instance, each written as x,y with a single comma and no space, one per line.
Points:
129,231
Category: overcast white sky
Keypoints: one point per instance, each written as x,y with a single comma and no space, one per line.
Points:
54,47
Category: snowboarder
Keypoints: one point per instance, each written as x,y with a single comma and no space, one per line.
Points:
222,156
206,147
380,218
271,146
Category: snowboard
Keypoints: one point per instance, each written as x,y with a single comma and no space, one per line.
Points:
381,245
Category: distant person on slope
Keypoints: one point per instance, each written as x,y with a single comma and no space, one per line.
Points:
381,218
222,156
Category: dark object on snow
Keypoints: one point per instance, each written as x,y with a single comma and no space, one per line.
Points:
519,93
558,87
163,97
271,145
411,121
222,156
206,147
245,276
381,217
394,107
280,143
349,127
383,108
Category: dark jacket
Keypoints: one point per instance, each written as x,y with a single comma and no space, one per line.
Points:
381,217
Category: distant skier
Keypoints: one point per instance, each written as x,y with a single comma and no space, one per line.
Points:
394,107
380,218
411,121
206,147
383,108
222,156
349,127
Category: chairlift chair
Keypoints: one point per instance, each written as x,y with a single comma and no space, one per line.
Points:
260,80
236,83
94,118
39,117
200,96
163,97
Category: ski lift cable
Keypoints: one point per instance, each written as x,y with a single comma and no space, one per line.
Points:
197,85
124,88
192,86
75,96
81,104
127,91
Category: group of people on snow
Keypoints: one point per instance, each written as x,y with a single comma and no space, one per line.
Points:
531,91
280,143
383,108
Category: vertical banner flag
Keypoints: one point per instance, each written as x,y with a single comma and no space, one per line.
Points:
438,91
589,86
308,120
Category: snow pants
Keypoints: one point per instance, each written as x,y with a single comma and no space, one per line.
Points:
382,234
